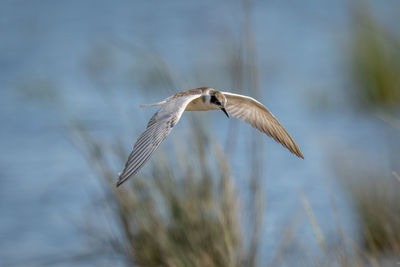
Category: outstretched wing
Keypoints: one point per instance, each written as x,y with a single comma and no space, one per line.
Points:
258,116
158,128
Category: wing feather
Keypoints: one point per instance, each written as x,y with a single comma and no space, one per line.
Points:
258,116
158,128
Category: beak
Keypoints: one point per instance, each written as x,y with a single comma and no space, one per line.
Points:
226,113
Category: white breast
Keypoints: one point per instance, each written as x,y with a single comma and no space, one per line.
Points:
201,103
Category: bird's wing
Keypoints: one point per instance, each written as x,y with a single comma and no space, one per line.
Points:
258,116
158,128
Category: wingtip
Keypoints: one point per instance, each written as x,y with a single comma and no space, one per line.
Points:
120,181
299,154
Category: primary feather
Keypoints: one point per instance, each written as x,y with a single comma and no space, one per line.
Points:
258,116
158,128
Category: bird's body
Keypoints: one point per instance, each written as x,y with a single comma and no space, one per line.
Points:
203,98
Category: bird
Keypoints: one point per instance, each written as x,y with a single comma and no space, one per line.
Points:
202,98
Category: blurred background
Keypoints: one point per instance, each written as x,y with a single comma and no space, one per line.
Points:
217,192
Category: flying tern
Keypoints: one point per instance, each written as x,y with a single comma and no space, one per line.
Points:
203,98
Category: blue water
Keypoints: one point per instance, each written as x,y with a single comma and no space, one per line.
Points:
46,186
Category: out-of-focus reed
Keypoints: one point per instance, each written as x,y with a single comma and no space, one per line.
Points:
375,64
374,193
174,218
374,60
186,212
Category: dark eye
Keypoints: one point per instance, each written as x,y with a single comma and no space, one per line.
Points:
215,101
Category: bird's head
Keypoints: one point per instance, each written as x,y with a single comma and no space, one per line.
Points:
218,99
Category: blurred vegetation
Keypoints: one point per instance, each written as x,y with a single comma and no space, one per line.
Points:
167,219
40,90
374,61
187,212
374,190
375,193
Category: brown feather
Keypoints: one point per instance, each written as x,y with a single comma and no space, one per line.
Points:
258,116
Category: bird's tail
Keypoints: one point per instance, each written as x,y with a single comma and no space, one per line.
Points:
154,104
